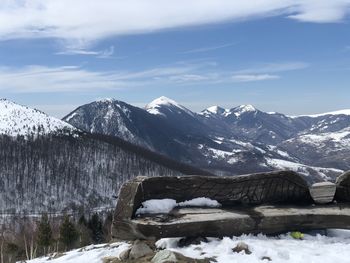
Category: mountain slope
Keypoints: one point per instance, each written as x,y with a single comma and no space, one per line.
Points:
20,120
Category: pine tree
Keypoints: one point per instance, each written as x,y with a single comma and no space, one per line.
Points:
44,233
84,232
68,233
95,225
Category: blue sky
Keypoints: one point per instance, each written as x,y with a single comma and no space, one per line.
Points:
287,56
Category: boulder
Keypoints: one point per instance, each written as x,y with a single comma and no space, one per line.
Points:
241,246
167,256
124,255
139,250
323,193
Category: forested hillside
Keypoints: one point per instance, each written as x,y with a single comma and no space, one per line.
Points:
56,173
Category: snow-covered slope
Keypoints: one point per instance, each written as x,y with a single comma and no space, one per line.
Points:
21,120
339,112
335,247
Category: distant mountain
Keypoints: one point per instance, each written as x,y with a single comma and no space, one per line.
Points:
16,120
227,141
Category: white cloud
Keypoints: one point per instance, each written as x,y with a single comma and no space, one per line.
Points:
322,11
274,67
36,78
206,49
81,22
254,77
106,53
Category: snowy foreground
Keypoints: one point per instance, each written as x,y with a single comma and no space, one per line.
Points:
313,248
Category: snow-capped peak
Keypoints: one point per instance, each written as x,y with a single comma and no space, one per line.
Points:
215,110
238,111
106,100
161,102
16,120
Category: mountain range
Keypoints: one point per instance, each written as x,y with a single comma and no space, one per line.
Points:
232,141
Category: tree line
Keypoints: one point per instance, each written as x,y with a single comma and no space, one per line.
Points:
49,235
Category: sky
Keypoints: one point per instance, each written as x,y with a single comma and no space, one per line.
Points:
287,56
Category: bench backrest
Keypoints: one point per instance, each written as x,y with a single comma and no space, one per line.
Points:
252,189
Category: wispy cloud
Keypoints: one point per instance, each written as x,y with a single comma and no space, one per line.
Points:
82,22
254,77
45,79
266,71
274,67
207,49
106,53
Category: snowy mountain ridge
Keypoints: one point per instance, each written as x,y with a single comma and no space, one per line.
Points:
239,140
16,120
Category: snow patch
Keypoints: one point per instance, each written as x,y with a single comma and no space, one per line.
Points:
156,206
164,206
201,202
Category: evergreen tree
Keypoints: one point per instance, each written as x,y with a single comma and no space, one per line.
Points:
84,232
44,233
68,233
95,225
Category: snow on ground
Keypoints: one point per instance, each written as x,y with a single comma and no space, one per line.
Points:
283,248
164,206
90,254
335,247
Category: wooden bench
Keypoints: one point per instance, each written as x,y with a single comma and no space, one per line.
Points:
267,203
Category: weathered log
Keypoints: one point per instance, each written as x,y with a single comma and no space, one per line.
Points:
282,187
343,188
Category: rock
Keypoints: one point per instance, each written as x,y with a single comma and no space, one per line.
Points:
241,246
139,249
323,193
186,241
266,258
111,260
167,256
124,255
164,256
